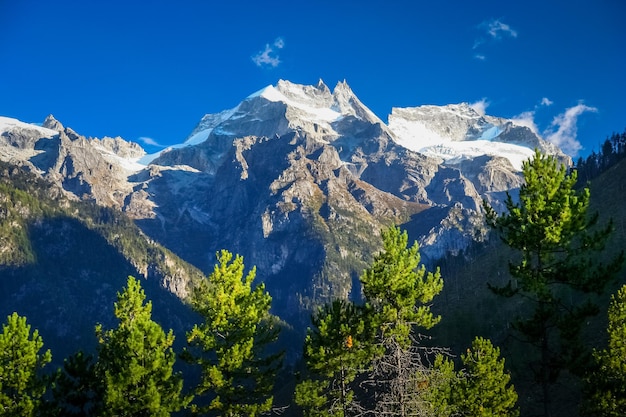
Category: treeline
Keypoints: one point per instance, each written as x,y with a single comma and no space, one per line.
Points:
373,358
612,150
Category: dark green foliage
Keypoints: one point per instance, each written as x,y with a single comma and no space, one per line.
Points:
21,384
557,246
612,150
77,391
135,360
231,344
337,348
605,386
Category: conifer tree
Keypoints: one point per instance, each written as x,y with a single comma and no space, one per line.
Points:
550,229
232,343
21,385
483,388
398,291
605,390
77,391
135,360
337,348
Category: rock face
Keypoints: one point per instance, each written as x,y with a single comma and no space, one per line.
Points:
299,180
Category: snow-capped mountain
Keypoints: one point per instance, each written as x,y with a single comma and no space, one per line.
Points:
457,132
298,179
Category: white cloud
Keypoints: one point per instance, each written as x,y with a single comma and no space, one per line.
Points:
149,141
269,56
526,119
563,130
480,106
497,29
546,101
279,43
492,30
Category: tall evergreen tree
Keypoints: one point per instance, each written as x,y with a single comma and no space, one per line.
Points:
398,291
136,360
552,232
337,348
605,386
232,344
21,385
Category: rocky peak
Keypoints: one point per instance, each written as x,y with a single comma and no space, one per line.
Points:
52,123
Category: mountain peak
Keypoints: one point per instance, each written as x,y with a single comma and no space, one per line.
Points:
52,123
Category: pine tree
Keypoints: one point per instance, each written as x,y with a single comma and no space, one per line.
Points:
77,391
398,289
135,360
231,344
605,388
550,229
337,348
21,385
398,292
483,388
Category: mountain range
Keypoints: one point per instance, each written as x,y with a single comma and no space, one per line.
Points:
298,179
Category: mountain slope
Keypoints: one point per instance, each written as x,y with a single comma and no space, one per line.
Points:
298,179
62,263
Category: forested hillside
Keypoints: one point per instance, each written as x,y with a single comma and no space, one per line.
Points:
470,308
62,262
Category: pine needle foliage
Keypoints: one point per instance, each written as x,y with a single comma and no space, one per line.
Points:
21,384
232,344
605,386
558,245
136,360
338,347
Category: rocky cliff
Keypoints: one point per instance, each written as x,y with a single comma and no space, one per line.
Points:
297,179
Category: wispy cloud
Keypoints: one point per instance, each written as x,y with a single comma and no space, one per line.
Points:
480,106
492,31
149,141
497,29
563,130
527,118
269,55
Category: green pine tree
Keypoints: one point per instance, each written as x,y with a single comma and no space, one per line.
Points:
483,388
550,229
135,360
337,348
21,385
231,344
605,386
398,289
398,292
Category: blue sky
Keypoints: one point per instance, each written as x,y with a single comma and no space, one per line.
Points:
148,71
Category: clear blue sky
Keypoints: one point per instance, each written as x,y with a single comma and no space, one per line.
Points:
152,69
